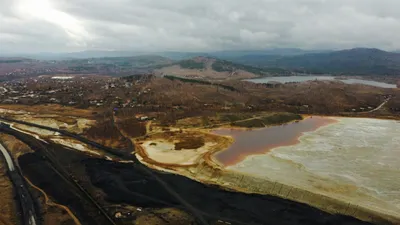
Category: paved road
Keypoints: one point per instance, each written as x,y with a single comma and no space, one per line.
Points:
9,161
26,203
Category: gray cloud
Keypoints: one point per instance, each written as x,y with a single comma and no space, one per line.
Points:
158,25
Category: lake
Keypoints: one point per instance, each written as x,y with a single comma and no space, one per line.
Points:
287,79
353,159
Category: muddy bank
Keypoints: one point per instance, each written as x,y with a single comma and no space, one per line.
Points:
260,141
125,183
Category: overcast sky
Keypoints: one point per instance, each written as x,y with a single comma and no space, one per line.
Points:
196,25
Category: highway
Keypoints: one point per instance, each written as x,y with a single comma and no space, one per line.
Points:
112,151
41,148
27,207
10,163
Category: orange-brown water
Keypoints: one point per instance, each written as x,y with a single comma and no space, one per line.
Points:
259,141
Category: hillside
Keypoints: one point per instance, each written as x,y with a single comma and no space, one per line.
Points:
212,68
14,68
114,64
358,61
235,54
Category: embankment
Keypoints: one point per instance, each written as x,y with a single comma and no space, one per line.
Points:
210,173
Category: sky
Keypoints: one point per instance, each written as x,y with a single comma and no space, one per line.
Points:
32,26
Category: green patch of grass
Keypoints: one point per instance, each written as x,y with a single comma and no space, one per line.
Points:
186,80
191,64
190,143
256,123
274,119
226,66
11,61
225,118
281,118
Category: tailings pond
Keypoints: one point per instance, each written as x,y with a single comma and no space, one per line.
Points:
351,159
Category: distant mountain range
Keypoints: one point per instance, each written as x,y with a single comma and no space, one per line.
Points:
229,55
175,55
214,68
357,61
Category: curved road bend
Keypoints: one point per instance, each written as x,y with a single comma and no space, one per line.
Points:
109,150
26,203
40,147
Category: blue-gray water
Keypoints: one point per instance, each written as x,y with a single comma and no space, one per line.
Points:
287,79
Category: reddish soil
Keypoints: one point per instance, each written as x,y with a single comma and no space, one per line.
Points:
260,141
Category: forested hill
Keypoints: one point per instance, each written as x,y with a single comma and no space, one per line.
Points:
358,61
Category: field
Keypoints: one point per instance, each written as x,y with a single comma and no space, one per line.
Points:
240,120
62,111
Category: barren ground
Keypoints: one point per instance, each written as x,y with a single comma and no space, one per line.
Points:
8,207
52,213
52,109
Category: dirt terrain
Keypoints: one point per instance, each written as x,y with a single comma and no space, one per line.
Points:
56,109
206,73
162,96
157,115
52,213
204,68
8,207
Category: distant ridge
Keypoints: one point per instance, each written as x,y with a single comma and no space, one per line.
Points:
214,68
280,61
357,61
